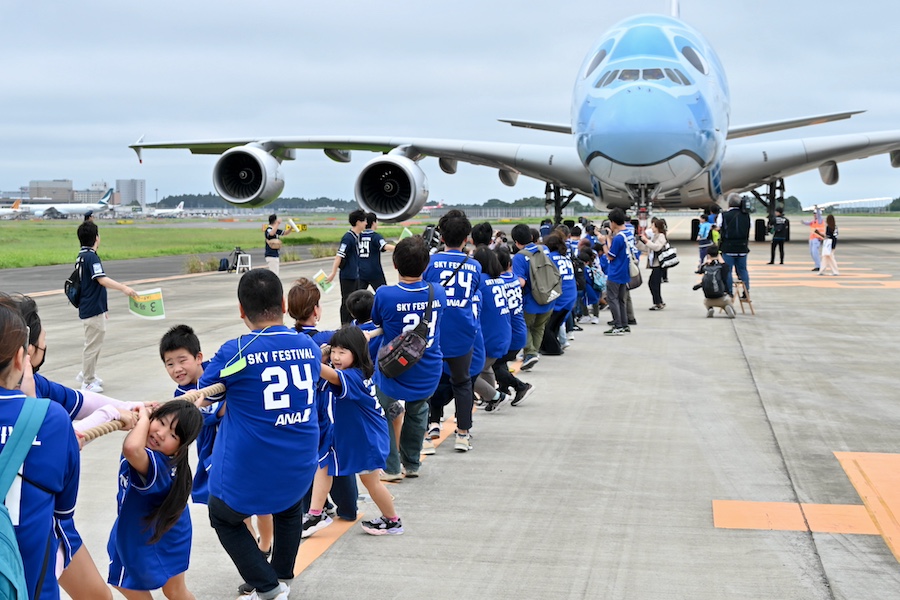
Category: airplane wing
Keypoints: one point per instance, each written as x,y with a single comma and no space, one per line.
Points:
554,127
747,166
760,128
885,200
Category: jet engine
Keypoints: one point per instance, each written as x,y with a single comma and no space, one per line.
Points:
393,187
248,176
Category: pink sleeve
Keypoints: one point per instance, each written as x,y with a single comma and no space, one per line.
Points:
104,414
93,402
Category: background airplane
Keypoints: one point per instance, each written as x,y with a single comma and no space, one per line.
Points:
15,209
650,127
168,212
63,208
872,201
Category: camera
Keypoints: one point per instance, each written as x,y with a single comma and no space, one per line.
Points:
432,237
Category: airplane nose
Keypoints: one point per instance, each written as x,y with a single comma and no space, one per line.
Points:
643,125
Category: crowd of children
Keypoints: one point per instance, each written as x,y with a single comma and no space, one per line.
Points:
315,399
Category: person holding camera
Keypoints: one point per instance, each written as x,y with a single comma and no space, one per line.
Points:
273,243
735,225
655,245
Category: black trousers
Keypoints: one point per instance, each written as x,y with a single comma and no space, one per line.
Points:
504,378
550,342
348,286
780,244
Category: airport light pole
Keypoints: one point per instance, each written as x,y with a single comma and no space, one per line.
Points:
156,190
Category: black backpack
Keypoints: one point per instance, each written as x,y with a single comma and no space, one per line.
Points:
712,283
578,265
72,285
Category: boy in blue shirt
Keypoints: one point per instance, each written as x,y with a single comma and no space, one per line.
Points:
615,247
371,245
270,376
399,308
347,260
460,277
536,315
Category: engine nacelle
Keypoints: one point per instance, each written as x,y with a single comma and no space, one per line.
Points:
393,187
248,176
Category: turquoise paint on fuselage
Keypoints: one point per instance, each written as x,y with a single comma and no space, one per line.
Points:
634,110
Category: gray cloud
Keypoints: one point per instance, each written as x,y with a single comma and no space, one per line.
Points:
83,80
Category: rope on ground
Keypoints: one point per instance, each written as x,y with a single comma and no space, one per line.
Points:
100,430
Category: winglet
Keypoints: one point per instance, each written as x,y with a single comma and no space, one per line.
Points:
676,9
137,149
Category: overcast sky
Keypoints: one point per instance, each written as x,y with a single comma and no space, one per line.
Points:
82,80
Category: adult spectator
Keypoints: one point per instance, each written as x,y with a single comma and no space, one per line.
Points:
615,247
829,244
779,234
398,308
655,244
347,260
93,308
556,244
536,315
735,241
460,277
816,234
273,243
546,228
89,215
483,234
270,377
371,245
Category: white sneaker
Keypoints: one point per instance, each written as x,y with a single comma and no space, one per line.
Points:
428,447
283,593
93,386
80,378
595,320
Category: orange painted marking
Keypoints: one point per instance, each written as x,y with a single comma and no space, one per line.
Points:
787,516
876,478
315,545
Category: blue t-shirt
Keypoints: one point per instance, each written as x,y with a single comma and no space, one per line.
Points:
135,563
569,288
496,326
318,337
272,234
519,335
205,442
457,331
93,295
371,245
478,354
361,441
375,342
69,399
266,451
520,263
53,464
617,272
323,405
348,250
401,307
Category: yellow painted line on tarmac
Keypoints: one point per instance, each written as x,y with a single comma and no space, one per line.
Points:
876,478
789,275
315,545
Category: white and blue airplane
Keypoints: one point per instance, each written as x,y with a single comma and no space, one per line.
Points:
650,127
68,208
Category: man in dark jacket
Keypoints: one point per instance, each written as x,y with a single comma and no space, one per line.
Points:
734,247
779,234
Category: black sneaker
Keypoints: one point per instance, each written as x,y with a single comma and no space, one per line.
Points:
245,589
314,523
613,323
626,329
493,405
530,361
632,322
522,394
382,526
615,331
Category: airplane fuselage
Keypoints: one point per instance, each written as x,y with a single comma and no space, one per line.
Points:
650,110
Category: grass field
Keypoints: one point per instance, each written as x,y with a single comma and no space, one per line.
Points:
36,243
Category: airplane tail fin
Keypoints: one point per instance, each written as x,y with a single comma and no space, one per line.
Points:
676,9
16,204
180,206
107,196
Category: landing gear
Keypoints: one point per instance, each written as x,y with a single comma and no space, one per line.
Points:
642,196
553,196
774,199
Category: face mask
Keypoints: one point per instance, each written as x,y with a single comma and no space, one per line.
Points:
37,367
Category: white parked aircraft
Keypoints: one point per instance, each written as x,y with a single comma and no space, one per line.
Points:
39,210
15,209
650,126
168,212
869,201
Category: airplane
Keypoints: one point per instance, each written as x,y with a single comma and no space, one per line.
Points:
65,208
15,209
427,209
168,212
650,126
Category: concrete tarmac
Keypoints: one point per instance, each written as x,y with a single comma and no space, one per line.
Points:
620,477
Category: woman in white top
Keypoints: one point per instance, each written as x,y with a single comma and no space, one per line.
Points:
654,245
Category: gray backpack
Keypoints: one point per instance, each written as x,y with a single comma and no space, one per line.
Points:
546,282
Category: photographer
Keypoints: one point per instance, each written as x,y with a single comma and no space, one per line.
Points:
735,241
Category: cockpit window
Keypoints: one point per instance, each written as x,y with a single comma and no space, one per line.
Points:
653,74
610,78
681,76
671,75
598,58
692,55
630,75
